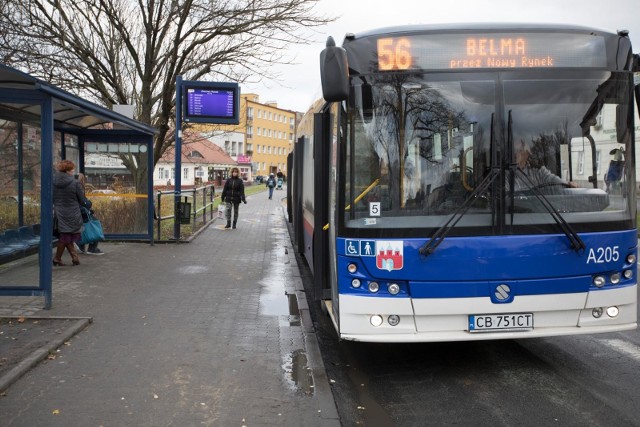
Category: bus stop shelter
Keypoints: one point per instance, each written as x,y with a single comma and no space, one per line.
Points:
41,124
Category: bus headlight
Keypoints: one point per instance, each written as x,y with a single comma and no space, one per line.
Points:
376,320
352,268
597,312
615,278
393,320
599,281
393,288
355,283
628,274
612,311
374,287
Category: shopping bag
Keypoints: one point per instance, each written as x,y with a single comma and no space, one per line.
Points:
56,231
92,231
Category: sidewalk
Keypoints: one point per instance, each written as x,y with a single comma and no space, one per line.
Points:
215,332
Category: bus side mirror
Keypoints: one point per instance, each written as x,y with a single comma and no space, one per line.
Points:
334,72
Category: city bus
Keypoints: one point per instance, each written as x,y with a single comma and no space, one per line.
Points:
471,182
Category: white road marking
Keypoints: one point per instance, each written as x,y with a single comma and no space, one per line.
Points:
624,347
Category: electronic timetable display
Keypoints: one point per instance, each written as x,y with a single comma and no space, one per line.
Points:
491,50
207,102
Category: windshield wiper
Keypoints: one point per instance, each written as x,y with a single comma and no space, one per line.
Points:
576,242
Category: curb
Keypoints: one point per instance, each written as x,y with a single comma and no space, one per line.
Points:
40,354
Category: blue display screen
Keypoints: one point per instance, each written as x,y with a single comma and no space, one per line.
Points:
208,102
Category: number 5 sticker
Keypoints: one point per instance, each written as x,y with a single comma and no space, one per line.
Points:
374,209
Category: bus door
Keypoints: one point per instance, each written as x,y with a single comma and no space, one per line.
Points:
326,131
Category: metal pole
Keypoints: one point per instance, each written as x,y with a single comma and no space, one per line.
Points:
46,195
150,207
159,215
178,160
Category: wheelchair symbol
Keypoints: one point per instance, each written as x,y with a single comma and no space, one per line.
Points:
351,248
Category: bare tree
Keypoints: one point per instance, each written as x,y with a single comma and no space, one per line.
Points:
130,51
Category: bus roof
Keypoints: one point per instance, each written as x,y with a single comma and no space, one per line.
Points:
462,27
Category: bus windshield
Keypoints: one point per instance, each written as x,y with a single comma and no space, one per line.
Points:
419,144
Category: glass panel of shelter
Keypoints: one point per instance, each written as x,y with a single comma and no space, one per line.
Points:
20,172
117,185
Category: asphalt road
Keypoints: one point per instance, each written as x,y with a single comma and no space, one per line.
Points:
566,381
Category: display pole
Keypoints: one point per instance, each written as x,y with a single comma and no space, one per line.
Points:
178,161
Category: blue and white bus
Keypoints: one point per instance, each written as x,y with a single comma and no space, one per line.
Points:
471,182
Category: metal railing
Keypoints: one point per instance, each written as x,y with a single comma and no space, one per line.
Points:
201,199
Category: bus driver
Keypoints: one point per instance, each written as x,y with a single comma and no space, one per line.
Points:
540,177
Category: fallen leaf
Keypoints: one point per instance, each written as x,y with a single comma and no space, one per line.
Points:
21,319
56,412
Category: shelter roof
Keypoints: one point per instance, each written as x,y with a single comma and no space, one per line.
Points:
69,111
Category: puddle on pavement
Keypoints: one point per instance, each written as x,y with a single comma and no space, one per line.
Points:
293,316
298,373
192,269
283,305
274,301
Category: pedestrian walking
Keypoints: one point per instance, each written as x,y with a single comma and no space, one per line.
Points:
271,183
232,195
68,195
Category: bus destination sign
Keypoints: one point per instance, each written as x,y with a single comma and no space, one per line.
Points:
482,51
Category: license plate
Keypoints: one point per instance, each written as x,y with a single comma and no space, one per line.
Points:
501,322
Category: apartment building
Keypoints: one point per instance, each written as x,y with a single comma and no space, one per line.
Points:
270,133
266,135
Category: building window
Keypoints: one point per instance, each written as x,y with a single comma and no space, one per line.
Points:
580,162
160,173
185,173
250,113
173,173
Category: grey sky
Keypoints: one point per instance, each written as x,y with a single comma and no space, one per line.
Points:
301,82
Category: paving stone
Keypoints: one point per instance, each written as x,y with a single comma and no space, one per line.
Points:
199,333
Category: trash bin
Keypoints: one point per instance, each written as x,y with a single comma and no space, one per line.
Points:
184,212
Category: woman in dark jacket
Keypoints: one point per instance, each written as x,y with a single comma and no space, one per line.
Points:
232,194
68,195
